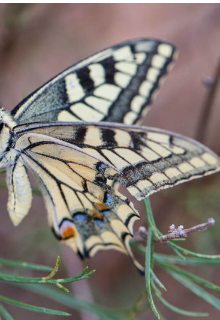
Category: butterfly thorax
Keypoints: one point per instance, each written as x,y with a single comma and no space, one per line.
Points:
7,155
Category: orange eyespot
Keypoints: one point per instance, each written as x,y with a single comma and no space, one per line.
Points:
67,230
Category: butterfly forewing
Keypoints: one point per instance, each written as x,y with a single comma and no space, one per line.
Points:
114,85
146,159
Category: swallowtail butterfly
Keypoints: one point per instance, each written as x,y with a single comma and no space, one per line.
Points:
65,133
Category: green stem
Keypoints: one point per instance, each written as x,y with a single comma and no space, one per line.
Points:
148,263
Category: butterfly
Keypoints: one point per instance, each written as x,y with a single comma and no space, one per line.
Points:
65,133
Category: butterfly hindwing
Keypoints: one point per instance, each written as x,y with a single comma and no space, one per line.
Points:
114,85
83,210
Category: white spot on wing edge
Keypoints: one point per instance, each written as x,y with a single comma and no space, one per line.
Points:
130,117
172,172
158,61
152,74
165,49
123,53
210,159
143,184
145,88
137,102
185,167
197,162
158,177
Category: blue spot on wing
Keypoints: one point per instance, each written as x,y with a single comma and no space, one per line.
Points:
80,217
99,222
106,212
108,199
100,166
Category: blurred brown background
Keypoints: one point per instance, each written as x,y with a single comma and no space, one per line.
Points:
39,40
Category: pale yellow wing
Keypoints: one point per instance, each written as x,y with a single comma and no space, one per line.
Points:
83,210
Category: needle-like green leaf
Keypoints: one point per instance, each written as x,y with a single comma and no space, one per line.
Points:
148,271
32,308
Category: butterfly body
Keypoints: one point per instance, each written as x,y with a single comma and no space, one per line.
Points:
76,160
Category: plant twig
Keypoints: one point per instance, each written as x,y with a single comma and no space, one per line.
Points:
54,271
180,232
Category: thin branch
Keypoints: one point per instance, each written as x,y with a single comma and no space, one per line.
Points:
180,232
173,233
